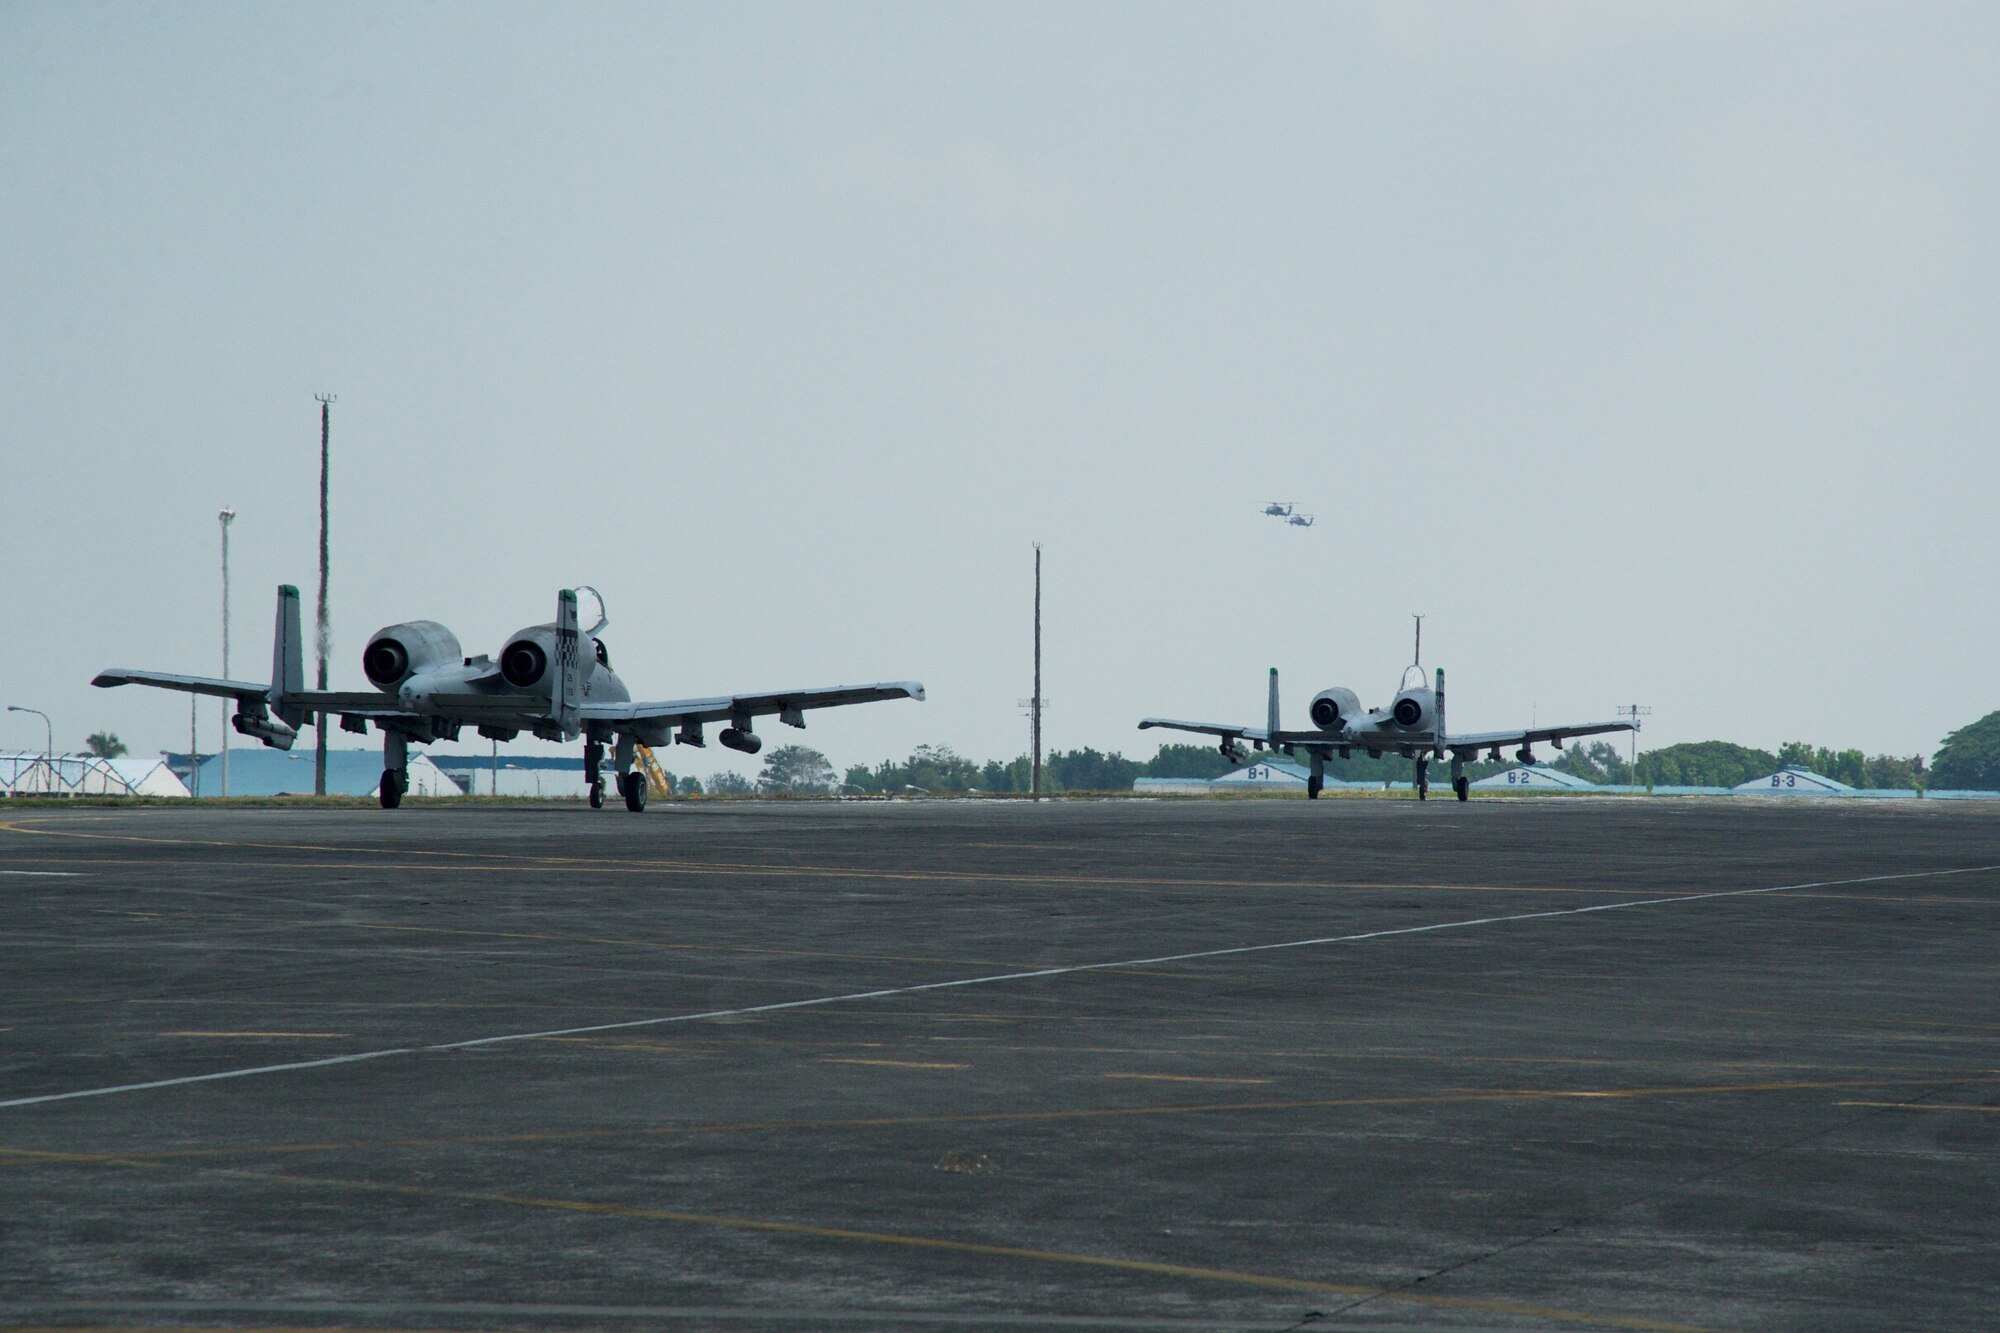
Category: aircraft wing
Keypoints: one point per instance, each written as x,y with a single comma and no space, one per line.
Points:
1483,740
723,708
1226,730
350,703
223,689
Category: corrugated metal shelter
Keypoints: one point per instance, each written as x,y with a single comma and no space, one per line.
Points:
24,774
267,772
149,777
1536,777
1265,775
1792,780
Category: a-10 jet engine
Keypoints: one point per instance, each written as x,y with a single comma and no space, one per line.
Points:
1336,710
398,652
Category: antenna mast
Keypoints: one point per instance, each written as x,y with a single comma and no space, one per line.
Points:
1635,712
1035,712
323,634
1420,639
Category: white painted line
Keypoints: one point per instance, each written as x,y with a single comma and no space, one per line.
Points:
989,980
45,874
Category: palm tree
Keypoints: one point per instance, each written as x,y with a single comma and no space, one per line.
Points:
105,744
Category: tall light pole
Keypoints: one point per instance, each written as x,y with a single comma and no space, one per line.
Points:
49,736
1035,725
1635,712
225,517
323,636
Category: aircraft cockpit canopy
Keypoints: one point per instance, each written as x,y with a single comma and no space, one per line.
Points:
1413,679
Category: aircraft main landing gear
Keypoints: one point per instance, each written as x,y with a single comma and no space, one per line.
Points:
1460,784
1423,779
593,773
395,768
633,786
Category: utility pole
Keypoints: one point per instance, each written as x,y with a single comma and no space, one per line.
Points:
194,757
323,636
1035,708
225,517
1635,712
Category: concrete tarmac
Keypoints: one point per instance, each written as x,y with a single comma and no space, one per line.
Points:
1514,1064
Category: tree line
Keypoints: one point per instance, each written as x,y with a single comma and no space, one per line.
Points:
1969,759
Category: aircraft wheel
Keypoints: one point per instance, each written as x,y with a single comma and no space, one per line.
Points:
1463,786
635,791
392,789
597,794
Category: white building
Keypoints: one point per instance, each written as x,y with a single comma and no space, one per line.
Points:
1538,777
1262,776
1792,780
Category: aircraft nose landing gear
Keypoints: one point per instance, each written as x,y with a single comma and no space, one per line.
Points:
1423,779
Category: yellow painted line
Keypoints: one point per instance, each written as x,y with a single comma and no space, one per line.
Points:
1925,1106
891,1064
257,1034
940,1244
1183,1078
696,1047
34,1156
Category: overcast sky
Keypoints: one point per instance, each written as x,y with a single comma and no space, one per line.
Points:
1649,350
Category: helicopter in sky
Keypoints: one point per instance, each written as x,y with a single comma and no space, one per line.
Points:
1301,520
1279,509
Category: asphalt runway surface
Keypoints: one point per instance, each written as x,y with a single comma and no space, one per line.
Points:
1352,1064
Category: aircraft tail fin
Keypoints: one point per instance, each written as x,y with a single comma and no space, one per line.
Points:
1271,715
1443,735
287,659
566,693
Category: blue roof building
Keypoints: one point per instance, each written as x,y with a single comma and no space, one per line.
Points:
267,772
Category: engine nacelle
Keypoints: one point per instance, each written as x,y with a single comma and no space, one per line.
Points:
528,660
749,742
528,657
1333,709
1414,710
400,651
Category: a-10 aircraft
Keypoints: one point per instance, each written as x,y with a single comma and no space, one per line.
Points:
1412,726
553,681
